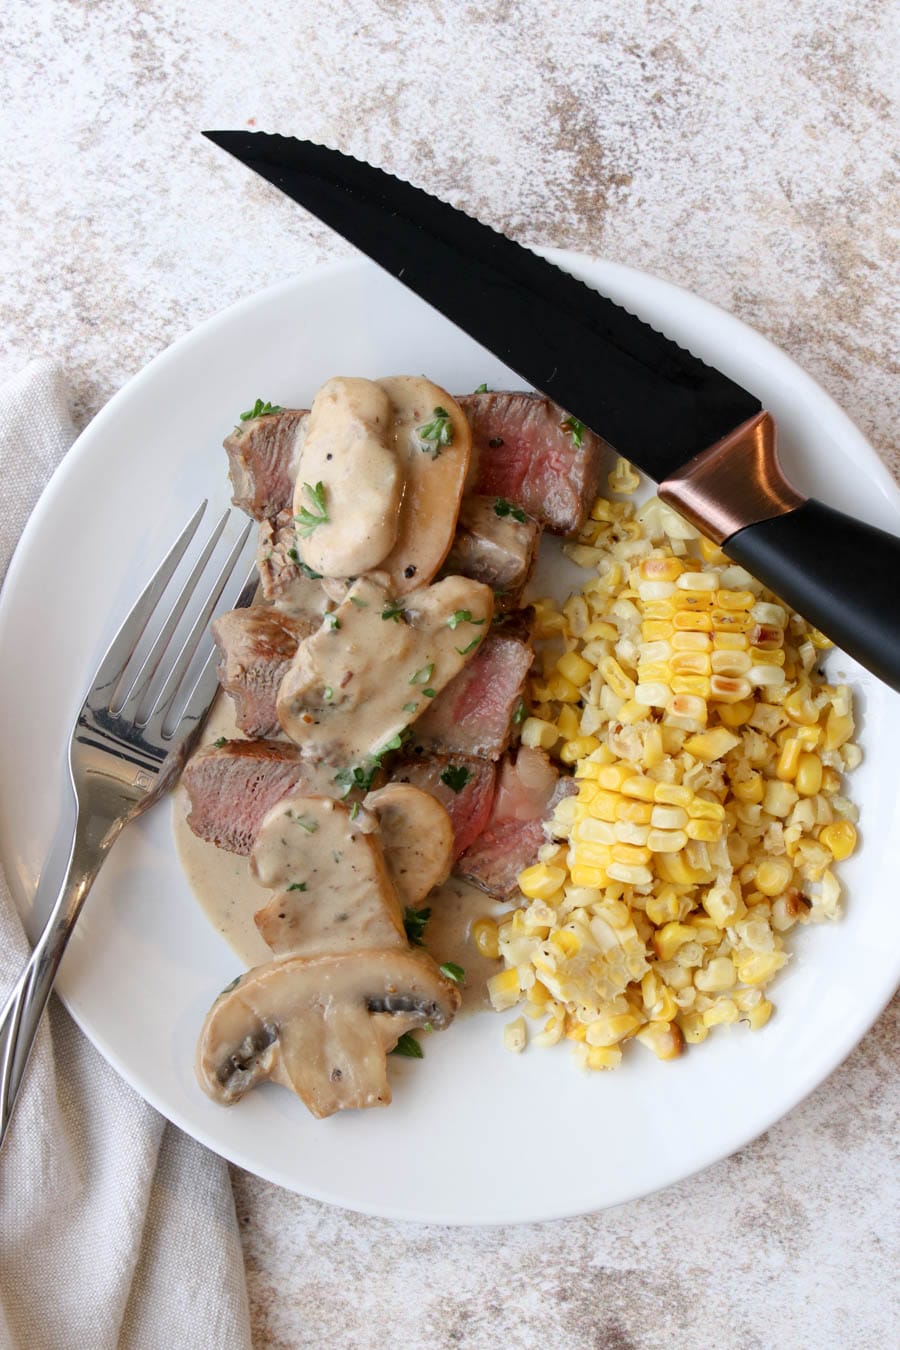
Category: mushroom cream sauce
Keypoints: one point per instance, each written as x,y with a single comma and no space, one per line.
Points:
375,521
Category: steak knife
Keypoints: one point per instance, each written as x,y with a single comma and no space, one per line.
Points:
708,443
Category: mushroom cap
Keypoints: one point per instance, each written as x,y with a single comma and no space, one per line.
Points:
417,837
321,1026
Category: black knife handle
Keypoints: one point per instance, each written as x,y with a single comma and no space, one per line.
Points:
841,574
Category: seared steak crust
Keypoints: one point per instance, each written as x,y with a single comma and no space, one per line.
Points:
261,460
232,786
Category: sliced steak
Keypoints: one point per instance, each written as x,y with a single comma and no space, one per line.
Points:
496,543
527,791
473,714
464,787
257,645
523,453
261,462
234,785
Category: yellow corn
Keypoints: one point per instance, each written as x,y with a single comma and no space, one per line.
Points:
700,809
603,1057
566,941
576,749
541,881
693,1028
663,1038
759,967
568,724
503,989
670,937
638,786
735,714
713,744
809,775
838,730
759,1014
574,668
773,876
789,759
594,877
704,831
722,1012
840,838
484,934
749,789
562,689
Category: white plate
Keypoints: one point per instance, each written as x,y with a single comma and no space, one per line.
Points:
475,1134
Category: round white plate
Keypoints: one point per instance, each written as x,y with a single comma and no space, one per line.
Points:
475,1135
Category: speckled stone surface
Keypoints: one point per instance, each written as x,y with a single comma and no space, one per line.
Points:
742,148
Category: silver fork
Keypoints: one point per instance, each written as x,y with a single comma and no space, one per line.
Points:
127,748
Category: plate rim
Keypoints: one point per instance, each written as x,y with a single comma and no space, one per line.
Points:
880,477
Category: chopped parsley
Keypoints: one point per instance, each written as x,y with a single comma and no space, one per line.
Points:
232,984
504,508
220,742
453,972
394,612
414,921
360,604
408,1046
393,744
436,433
521,712
424,675
482,389
333,622
260,409
310,826
307,571
311,520
354,810
456,776
462,616
410,707
575,430
464,651
329,693
430,693
297,886
358,777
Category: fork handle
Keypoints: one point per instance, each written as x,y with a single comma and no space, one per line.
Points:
24,1008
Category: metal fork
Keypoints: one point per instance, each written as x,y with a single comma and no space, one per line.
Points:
127,748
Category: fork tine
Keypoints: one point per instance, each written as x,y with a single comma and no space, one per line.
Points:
129,635
144,677
170,689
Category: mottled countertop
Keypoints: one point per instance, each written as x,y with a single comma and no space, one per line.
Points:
742,148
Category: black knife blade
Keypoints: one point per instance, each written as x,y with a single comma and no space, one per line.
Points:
656,403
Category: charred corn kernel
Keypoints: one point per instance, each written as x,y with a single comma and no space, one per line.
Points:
566,941
653,748
637,812
540,881
661,569
503,989
613,1028
663,1038
615,677
630,874
670,937
765,637
749,789
688,706
779,798
759,967
808,781
689,621
595,877
515,1036
838,730
603,1057
630,854
563,690
840,838
711,745
484,934
568,724
574,668
759,1014
656,630
539,735
576,749
789,759
666,841
722,1012
654,694
700,809
773,876
704,831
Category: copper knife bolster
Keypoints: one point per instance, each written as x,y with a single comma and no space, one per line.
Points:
736,482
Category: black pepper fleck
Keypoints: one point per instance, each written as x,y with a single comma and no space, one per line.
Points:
495,441
410,571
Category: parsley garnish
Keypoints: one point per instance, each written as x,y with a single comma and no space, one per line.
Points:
504,508
329,693
414,921
356,778
232,984
410,707
456,776
220,742
360,604
482,389
424,675
297,886
311,520
310,826
333,622
521,712
464,651
439,432
260,409
307,571
393,744
462,616
430,693
453,972
408,1045
394,612
575,430
354,810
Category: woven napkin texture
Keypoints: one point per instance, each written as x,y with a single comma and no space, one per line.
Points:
116,1230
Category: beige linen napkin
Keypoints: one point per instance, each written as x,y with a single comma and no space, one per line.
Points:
116,1230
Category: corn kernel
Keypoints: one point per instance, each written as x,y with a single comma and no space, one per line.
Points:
693,1028
654,630
688,621
698,581
698,685
779,798
653,747
704,831
718,976
690,642
840,838
636,812
603,1057
759,1014
672,794
503,989
663,907
689,706
735,714
629,873
759,967
574,668
539,735
515,1036
579,748
789,759
640,787
568,724
668,939
566,941
611,1029
749,789
838,730
723,906
540,881
773,876
484,934
701,809
563,690
663,1038
666,841
630,854
612,776
711,745
722,1012
809,775
735,600
661,569
595,877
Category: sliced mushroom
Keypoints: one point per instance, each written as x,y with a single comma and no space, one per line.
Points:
334,894
417,838
321,1026
433,442
371,669
350,480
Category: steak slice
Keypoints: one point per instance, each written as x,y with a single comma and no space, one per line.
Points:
257,645
233,786
473,714
527,792
262,457
493,546
468,802
524,454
